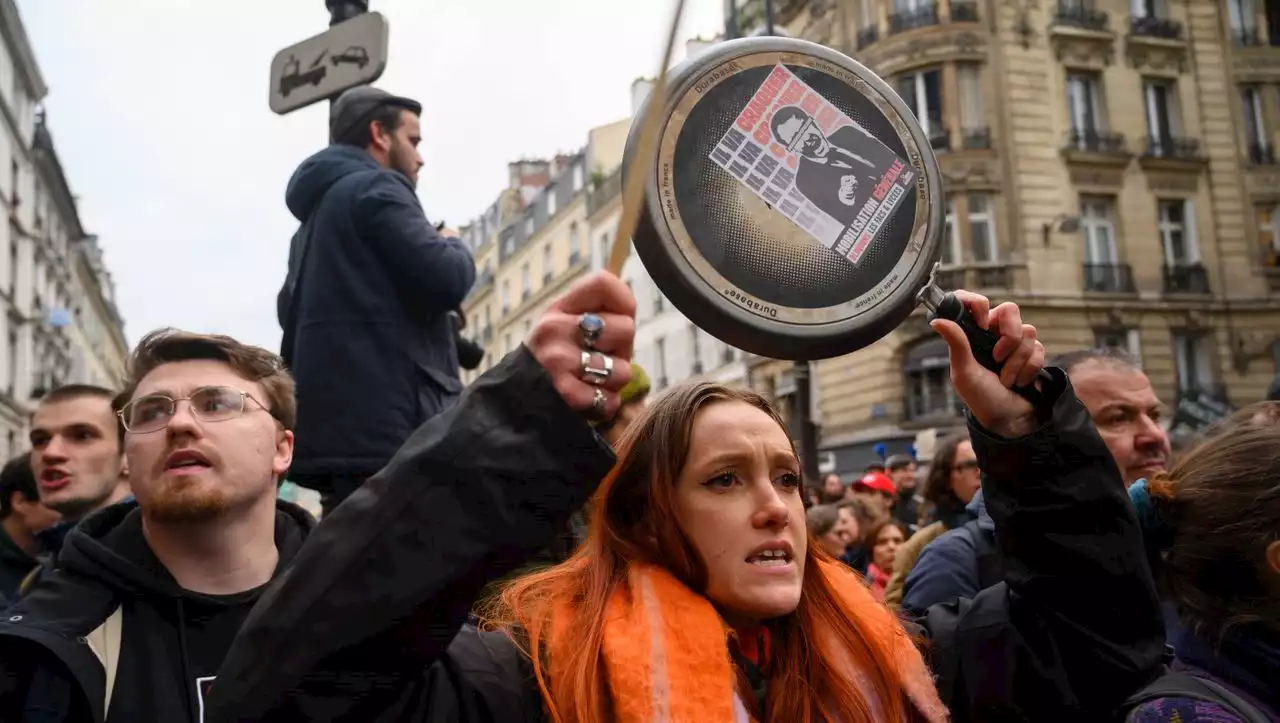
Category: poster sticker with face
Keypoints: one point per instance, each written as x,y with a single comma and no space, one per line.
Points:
814,164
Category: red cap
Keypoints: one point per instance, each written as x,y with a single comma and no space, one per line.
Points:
877,481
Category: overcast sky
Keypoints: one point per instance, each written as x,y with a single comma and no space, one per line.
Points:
159,112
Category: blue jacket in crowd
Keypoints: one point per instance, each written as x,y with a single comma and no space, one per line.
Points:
373,347
948,569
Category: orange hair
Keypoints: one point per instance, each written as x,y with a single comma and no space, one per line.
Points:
557,615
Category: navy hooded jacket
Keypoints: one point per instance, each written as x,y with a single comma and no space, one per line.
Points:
373,347
947,569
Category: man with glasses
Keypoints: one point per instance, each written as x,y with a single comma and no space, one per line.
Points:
366,304
149,593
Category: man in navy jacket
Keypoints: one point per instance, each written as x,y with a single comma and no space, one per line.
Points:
365,307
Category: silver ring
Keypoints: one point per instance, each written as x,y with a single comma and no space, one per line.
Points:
597,404
597,376
591,326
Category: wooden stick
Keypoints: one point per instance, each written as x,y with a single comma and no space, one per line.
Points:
646,145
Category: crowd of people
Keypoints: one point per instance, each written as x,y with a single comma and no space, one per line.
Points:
559,543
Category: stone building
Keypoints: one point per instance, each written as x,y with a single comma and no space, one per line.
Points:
1110,165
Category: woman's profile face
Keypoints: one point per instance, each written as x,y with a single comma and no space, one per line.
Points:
966,480
738,502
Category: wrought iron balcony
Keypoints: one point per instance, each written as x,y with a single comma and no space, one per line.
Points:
1262,154
1246,37
1173,148
912,19
977,138
1186,279
964,11
867,36
939,137
1156,28
1095,141
1109,278
1084,18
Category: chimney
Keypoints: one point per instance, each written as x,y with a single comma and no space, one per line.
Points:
528,175
696,46
640,90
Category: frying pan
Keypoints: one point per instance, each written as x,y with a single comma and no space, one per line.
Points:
792,204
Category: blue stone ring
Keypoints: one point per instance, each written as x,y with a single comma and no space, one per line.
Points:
591,326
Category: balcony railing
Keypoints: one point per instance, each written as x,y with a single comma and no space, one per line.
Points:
1186,279
1172,148
546,278
867,36
952,278
1262,154
1156,28
1246,37
992,277
964,12
573,258
912,19
1109,278
1084,18
939,137
977,139
1095,141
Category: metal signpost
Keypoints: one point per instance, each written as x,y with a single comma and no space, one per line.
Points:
352,52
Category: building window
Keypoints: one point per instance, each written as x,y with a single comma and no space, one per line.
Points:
727,353
1176,224
547,270
982,229
575,244
1194,363
695,351
1257,140
1243,21
506,297
551,201
1084,103
509,243
528,226
1126,340
927,378
659,301
577,178
922,92
606,243
660,363
526,284
507,346
1147,8
528,326
1269,235
1163,122
969,84
951,236
1096,214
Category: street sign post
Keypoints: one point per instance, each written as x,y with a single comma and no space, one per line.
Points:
351,53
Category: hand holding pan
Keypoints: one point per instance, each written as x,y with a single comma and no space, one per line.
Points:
793,205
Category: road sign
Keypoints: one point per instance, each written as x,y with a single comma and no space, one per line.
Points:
350,53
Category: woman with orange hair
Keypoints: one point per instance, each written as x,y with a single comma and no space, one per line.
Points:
697,596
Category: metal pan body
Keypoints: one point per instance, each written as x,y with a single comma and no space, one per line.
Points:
793,207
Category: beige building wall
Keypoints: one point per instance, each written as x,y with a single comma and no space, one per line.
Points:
1042,118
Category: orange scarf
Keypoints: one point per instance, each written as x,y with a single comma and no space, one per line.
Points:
667,658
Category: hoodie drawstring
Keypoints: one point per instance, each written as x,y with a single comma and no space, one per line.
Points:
186,667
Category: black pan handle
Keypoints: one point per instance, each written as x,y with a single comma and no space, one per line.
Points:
981,341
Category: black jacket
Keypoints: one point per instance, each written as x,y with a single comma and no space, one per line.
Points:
372,346
15,565
369,624
112,605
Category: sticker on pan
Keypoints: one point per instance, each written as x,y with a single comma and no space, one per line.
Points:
814,164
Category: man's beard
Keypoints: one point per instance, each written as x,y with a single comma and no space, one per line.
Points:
184,502
402,162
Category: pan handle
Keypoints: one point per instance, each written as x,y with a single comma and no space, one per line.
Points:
981,341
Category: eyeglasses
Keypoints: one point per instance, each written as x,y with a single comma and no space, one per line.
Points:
965,466
208,404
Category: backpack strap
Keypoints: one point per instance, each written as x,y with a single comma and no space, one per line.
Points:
104,641
1177,684
990,562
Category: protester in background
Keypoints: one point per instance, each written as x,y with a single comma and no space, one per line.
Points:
148,594
832,490
952,482
78,460
876,491
902,470
697,595
883,542
1211,524
22,517
823,524
365,305
874,467
856,555
1124,408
